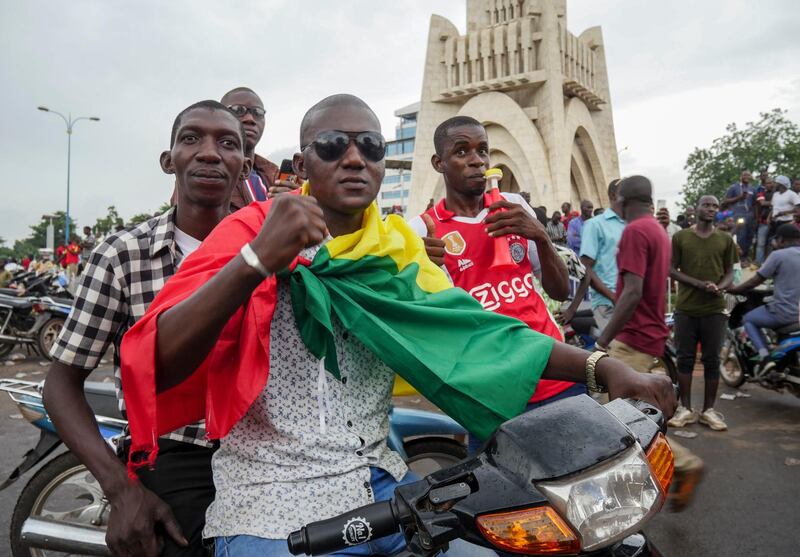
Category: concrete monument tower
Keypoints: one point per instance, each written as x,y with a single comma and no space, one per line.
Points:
541,92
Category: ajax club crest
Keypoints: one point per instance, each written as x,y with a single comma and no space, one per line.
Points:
517,252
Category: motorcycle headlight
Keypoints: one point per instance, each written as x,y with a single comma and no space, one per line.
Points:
609,501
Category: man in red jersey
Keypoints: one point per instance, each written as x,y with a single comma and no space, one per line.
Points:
637,332
459,233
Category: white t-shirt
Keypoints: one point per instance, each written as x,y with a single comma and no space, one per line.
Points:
784,202
187,244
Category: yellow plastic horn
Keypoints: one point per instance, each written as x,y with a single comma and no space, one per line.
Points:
493,172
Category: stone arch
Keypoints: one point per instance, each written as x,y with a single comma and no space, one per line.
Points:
512,132
580,127
509,182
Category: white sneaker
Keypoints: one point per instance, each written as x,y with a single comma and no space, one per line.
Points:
713,419
683,417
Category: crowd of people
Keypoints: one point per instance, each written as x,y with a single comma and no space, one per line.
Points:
68,259
203,302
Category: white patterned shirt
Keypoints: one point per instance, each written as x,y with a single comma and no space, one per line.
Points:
303,450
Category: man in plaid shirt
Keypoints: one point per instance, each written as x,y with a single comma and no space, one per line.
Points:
123,275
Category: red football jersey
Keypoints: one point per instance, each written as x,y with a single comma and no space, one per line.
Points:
469,252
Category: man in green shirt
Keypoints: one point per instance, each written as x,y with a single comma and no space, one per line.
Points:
702,263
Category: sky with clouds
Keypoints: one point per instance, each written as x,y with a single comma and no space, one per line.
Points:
679,71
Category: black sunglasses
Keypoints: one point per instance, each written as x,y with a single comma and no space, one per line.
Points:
240,110
331,145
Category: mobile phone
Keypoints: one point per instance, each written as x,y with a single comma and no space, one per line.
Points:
286,171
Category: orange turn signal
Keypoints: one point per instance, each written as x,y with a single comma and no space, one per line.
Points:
659,455
537,531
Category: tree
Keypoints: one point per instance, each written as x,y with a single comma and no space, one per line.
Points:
38,238
5,251
772,143
109,223
138,219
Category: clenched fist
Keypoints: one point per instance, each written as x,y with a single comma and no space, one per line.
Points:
294,222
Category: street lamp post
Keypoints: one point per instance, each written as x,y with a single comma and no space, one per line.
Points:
68,120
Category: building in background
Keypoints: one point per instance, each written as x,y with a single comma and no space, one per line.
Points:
396,187
541,92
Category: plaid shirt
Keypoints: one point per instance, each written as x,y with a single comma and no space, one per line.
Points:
557,232
123,275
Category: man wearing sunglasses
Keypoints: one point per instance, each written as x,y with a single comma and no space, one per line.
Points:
307,445
263,179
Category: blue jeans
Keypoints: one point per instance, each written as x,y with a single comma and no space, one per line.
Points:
744,236
757,319
475,444
383,486
761,243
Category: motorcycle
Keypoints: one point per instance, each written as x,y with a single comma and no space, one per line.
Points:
595,475
29,284
62,508
582,332
31,321
739,358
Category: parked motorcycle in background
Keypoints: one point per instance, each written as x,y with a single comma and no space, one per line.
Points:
739,359
582,332
31,321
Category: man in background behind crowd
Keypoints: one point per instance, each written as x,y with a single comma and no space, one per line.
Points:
739,198
637,333
556,230
797,215
575,226
263,178
567,214
599,255
763,208
87,245
702,263
783,202
72,259
663,219
690,217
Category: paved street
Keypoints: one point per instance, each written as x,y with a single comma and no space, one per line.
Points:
747,505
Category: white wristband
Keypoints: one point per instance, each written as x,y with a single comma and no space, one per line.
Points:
251,258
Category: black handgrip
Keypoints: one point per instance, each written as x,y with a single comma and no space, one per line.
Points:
346,530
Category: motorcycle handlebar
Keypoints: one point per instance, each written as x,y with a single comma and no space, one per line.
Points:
346,530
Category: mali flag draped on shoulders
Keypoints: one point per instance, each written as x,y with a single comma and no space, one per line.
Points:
477,366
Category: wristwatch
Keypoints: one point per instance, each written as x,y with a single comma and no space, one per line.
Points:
251,258
591,364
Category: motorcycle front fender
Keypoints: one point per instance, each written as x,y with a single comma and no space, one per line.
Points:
635,545
48,442
410,422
